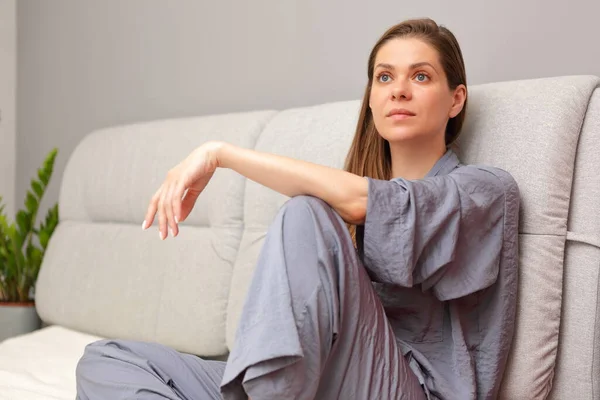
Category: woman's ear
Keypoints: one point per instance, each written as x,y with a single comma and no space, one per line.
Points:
458,100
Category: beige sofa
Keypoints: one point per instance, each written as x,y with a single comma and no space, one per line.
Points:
105,277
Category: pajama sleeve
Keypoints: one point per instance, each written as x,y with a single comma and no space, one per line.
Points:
444,233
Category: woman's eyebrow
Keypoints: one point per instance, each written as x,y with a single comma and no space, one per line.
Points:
412,66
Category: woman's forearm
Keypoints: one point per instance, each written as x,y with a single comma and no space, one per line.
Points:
343,191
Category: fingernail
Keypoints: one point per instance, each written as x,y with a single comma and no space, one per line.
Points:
176,220
171,231
144,225
160,234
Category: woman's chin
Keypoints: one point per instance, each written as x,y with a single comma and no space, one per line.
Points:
402,135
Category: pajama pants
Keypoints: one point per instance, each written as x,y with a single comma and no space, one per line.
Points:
312,327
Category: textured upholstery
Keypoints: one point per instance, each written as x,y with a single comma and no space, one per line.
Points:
578,363
531,128
103,276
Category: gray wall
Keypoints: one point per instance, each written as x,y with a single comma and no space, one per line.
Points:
84,65
8,66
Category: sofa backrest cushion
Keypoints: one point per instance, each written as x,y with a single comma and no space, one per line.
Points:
578,361
103,275
531,128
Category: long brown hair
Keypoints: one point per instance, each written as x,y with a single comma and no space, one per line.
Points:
369,154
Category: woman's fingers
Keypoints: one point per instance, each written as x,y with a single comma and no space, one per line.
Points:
162,216
166,202
178,194
187,203
152,208
171,224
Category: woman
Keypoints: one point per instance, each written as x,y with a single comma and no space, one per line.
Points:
424,309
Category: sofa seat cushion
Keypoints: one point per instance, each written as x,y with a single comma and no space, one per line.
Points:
41,365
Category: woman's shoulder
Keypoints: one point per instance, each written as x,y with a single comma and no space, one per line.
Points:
483,176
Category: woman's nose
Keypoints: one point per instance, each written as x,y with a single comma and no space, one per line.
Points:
401,91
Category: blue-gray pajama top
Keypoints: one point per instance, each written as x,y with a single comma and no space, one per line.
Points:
442,255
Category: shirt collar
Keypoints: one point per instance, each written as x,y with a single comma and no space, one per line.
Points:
444,165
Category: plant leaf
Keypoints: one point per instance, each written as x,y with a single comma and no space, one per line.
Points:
44,178
35,257
23,222
31,203
44,239
45,172
37,188
47,229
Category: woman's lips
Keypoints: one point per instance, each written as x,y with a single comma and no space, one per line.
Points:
399,117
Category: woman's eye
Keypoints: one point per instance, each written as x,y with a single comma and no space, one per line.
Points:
422,77
384,78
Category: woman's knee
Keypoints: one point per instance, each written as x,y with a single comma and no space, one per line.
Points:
308,210
299,221
300,204
303,214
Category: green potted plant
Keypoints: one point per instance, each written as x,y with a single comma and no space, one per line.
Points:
22,248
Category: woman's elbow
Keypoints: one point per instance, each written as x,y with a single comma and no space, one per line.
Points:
354,212
351,203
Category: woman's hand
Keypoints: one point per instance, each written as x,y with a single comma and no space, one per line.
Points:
188,178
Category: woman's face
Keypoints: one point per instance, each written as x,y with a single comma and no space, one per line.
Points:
410,99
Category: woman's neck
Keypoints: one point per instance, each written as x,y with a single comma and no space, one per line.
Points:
415,161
